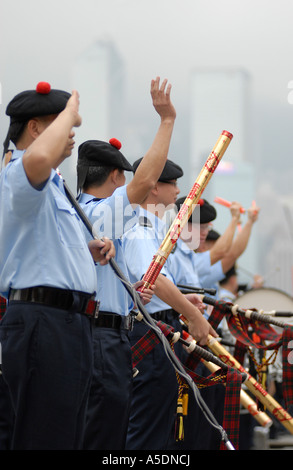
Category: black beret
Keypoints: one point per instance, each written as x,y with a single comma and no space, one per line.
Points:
213,235
99,153
207,211
42,101
171,170
93,153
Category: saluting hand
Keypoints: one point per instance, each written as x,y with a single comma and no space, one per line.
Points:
102,250
73,106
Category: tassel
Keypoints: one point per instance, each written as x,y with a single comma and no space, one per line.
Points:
179,425
185,401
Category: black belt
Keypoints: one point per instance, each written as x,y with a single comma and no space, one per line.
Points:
162,314
113,320
58,298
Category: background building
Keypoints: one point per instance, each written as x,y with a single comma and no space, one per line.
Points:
98,75
220,100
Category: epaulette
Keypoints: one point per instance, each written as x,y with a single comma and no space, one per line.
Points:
144,222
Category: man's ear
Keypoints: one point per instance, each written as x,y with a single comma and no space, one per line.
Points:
115,175
154,190
33,127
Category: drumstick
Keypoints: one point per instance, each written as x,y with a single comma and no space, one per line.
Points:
247,402
225,203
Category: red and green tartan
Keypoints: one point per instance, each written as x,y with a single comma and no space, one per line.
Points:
2,307
231,418
148,342
231,379
238,326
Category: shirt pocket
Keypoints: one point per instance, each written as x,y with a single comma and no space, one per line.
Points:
68,224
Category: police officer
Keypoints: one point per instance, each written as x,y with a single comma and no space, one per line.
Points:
111,206
47,274
155,391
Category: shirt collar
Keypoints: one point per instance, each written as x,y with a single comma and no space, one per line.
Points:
155,221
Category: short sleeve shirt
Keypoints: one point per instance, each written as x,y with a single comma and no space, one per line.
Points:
140,244
42,240
111,217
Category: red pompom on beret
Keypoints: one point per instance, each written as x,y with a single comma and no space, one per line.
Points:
116,143
201,202
43,87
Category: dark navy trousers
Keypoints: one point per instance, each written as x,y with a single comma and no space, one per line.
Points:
155,393
110,392
47,366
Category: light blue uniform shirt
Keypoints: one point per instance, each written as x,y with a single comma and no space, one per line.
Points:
110,217
210,278
140,244
42,240
182,264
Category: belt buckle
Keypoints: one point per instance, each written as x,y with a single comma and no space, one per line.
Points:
131,321
92,309
97,309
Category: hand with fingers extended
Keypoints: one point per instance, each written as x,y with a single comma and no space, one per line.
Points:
162,100
73,107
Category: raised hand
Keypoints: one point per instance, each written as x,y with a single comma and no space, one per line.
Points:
161,99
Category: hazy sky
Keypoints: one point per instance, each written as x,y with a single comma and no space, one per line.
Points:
41,40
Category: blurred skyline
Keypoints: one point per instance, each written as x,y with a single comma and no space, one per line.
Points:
171,38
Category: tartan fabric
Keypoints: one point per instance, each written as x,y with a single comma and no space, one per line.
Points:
239,351
287,355
2,307
148,342
231,418
220,310
215,378
238,326
231,379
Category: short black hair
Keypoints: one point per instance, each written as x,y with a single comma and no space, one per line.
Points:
16,130
97,175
